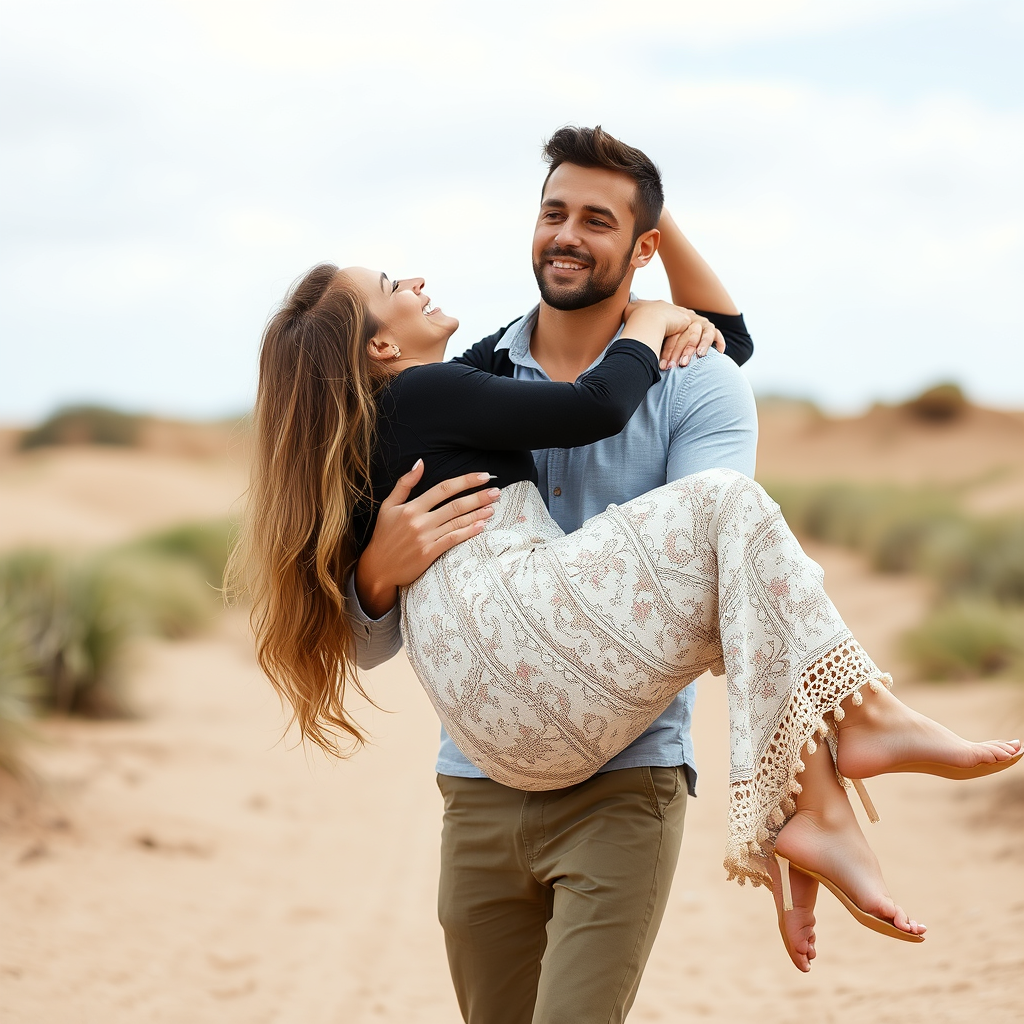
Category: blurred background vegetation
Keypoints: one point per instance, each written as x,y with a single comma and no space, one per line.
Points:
83,424
976,625
68,618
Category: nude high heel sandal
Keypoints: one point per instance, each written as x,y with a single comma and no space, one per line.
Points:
831,734
876,924
948,771
869,807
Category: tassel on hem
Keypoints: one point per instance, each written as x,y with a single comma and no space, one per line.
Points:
743,857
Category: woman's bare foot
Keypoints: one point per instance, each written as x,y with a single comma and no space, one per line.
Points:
797,925
829,842
823,837
883,735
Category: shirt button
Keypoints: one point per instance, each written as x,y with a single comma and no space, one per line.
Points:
557,492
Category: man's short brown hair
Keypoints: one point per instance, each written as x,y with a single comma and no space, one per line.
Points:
594,147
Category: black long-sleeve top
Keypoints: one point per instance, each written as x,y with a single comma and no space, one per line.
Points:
485,354
461,419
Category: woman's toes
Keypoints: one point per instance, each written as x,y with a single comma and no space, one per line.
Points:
804,955
901,919
1001,750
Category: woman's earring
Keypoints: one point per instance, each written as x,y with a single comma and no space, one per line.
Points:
396,352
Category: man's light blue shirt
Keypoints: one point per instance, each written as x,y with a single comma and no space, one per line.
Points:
697,417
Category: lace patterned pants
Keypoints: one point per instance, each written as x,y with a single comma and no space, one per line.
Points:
545,654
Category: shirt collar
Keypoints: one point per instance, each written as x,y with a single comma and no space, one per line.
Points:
516,340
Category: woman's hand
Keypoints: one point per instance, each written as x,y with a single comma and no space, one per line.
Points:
410,535
683,331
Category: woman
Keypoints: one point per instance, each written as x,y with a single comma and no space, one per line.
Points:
546,654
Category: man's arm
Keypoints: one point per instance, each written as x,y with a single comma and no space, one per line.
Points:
714,420
377,640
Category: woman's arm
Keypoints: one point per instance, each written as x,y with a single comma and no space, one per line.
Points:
408,537
695,284
456,406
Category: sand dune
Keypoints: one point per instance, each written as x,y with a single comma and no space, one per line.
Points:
81,497
982,450
184,867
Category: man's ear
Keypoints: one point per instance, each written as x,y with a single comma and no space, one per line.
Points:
380,347
645,247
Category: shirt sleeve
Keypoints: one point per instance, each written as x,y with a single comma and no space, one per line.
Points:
714,419
377,640
463,406
739,346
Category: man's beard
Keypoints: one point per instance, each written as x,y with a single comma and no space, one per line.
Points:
589,292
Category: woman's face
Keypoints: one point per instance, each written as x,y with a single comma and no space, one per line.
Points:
408,321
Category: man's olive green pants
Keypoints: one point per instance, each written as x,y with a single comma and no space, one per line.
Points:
550,901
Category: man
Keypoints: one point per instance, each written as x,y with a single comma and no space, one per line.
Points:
550,902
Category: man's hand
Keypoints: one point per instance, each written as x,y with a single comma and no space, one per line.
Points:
408,536
686,332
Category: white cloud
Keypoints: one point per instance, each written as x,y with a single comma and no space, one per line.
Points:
187,160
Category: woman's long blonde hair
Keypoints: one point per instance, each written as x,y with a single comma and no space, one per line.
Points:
313,435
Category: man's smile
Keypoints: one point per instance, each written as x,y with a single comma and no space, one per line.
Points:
570,261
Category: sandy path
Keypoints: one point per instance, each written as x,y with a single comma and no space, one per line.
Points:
951,854
81,497
186,869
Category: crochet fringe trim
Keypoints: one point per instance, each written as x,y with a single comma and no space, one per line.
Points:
747,857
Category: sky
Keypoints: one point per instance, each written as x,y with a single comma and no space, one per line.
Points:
851,169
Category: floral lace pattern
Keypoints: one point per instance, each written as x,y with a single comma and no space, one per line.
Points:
546,654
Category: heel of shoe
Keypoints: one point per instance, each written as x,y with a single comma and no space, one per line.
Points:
869,807
787,889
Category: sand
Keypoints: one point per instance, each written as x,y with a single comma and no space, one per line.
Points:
188,867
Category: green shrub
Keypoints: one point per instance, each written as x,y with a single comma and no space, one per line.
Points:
73,625
83,424
921,530
909,526
942,402
984,557
977,627
965,639
73,617
19,692
892,526
164,596
206,545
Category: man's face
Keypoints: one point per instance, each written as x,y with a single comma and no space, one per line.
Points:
583,242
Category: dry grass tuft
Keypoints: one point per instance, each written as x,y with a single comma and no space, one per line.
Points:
977,625
66,621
